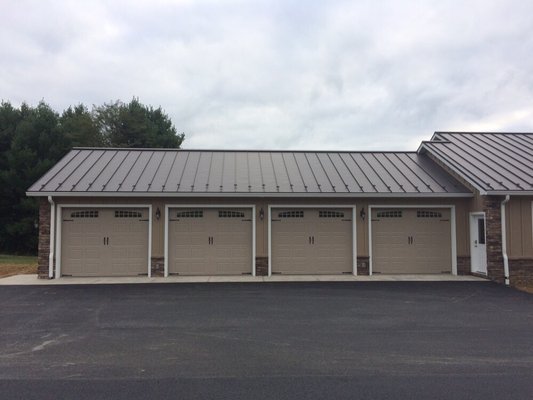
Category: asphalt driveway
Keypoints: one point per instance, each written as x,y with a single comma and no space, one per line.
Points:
385,340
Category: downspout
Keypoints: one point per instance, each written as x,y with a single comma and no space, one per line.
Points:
504,240
52,237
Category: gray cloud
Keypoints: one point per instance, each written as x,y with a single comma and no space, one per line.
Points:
282,74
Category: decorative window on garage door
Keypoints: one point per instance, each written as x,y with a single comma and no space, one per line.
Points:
127,214
330,214
428,214
84,214
291,214
190,214
389,214
230,214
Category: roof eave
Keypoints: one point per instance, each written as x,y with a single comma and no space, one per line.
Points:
251,194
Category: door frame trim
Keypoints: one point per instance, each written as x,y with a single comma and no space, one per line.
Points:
354,228
452,229
471,217
59,217
169,206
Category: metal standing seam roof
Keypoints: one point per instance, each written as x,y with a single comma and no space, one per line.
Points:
494,163
166,172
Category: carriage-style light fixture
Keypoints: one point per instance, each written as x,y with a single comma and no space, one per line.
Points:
362,214
261,214
157,213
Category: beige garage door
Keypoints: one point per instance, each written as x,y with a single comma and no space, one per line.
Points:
311,241
209,241
411,240
104,242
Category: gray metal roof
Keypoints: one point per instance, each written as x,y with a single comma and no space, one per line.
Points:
494,163
163,172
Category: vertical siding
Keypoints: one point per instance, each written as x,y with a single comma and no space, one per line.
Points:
520,227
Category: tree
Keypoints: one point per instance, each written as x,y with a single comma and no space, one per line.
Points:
79,128
135,125
36,145
33,139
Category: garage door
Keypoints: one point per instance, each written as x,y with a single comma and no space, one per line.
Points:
210,241
311,241
411,241
104,242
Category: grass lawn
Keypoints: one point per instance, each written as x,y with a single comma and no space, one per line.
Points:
14,265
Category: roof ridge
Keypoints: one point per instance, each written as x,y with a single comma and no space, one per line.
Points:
242,150
483,133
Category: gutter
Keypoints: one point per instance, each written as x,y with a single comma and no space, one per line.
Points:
504,240
52,237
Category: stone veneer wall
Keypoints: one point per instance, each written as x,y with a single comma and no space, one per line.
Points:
158,266
363,266
43,252
521,271
261,266
493,226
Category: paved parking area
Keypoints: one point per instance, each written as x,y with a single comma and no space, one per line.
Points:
339,340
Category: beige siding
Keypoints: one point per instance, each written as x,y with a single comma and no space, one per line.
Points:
520,227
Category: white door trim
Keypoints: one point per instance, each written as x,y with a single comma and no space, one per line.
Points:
168,206
452,229
59,217
471,217
354,229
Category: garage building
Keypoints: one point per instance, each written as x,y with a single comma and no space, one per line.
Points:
163,212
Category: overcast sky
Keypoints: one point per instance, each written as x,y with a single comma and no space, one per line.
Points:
357,75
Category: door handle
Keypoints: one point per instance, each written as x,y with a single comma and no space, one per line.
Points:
475,243
313,239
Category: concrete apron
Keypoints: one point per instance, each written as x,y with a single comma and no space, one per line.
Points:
33,280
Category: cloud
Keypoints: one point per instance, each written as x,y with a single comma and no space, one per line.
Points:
281,74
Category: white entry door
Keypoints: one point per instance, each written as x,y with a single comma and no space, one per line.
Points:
478,247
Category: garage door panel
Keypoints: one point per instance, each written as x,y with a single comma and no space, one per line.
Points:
411,240
211,241
104,242
311,241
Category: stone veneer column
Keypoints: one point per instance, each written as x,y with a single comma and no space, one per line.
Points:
43,253
261,266
158,266
363,267
493,227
